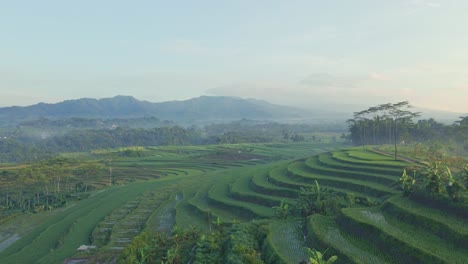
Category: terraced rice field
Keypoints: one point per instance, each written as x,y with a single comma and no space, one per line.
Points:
384,227
238,183
144,198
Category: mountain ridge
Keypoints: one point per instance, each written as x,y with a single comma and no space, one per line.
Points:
195,109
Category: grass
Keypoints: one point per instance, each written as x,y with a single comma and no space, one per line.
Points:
350,249
261,184
218,195
287,239
343,156
279,177
314,166
240,190
407,242
448,227
214,181
299,171
200,206
327,160
59,237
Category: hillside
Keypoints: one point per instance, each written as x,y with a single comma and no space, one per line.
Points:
204,108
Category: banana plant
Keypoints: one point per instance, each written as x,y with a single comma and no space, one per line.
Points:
407,182
282,211
316,257
465,175
434,177
454,188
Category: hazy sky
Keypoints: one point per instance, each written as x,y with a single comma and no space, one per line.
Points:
304,52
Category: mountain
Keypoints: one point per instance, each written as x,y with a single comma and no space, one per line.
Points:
223,108
195,110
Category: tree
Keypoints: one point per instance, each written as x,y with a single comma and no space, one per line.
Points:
399,115
382,124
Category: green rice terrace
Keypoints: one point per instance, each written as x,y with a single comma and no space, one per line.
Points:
241,203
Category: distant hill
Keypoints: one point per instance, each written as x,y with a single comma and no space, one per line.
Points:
195,110
439,115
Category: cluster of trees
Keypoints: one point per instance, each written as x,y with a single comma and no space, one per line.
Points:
84,140
271,129
394,124
14,150
35,144
45,185
94,123
380,124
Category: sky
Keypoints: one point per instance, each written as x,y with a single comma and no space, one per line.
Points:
304,53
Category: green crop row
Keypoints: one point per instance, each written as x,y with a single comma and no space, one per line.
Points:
327,160
219,195
325,234
261,184
450,228
288,241
62,235
240,190
199,206
315,167
405,242
342,156
298,171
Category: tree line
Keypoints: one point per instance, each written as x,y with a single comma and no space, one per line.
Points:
45,185
395,123
24,144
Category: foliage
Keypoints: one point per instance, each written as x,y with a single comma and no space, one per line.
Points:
464,175
239,244
12,150
378,125
209,248
315,200
382,124
281,211
407,182
243,243
160,248
316,257
439,181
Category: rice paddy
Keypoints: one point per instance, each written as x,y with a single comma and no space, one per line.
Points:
238,183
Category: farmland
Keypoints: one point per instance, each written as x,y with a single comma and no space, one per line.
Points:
366,220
